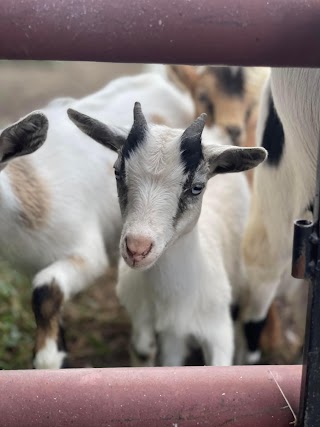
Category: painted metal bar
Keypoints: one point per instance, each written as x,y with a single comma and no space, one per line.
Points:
166,397
247,32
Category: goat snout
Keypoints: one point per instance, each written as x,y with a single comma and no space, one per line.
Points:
138,247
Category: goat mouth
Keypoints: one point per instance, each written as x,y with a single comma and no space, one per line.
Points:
143,263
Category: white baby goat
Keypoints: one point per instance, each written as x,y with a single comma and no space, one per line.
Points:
182,263
59,215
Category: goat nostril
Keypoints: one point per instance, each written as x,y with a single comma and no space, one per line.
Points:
234,132
138,246
127,247
147,250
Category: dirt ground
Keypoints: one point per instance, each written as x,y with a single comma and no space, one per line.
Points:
97,329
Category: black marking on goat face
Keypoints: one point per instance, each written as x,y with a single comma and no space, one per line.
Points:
184,199
253,332
273,135
122,188
231,82
137,133
191,158
191,152
187,198
135,138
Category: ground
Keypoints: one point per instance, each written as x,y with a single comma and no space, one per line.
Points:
97,329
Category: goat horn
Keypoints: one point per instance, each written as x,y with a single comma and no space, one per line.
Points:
196,128
139,119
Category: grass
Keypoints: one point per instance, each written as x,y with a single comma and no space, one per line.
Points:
16,320
97,331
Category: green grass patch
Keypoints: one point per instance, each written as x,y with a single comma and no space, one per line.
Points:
17,325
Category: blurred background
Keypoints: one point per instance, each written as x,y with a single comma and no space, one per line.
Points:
97,329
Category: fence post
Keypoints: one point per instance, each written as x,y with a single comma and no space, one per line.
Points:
309,411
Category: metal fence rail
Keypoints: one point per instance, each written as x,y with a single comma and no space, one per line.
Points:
152,397
247,32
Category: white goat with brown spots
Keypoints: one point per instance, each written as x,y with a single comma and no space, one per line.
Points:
182,243
59,215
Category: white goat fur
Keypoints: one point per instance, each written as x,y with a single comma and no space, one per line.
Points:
283,192
187,293
81,231
184,286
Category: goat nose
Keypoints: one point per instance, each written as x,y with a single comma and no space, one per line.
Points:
138,246
234,132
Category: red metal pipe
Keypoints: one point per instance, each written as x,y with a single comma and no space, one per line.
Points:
173,397
246,32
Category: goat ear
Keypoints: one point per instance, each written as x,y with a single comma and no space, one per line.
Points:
227,159
97,130
23,137
183,75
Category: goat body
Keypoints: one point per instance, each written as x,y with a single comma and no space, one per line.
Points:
59,215
187,293
284,186
183,266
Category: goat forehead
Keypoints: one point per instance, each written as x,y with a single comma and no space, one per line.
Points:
159,157
228,80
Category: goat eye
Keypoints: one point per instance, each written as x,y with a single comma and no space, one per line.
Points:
196,189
